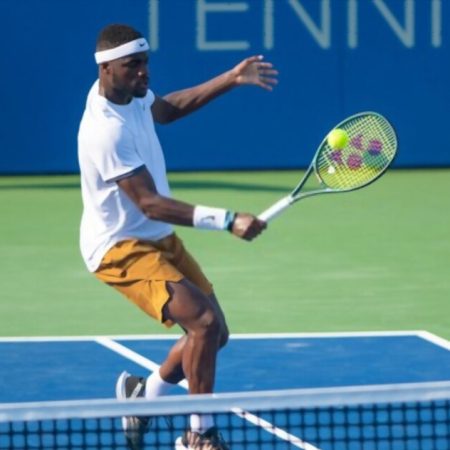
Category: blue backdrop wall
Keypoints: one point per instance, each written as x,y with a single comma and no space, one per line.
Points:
335,57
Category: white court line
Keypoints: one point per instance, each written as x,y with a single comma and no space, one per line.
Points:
434,339
133,356
150,365
267,426
155,337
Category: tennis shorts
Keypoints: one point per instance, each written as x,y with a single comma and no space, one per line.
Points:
141,269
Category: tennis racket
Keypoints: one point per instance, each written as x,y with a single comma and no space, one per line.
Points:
370,149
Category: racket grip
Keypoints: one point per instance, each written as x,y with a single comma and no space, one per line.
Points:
275,209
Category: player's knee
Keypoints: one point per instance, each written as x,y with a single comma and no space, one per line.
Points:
208,325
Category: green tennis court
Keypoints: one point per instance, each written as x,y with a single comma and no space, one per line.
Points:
376,259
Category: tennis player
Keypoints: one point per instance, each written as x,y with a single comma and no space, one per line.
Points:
126,236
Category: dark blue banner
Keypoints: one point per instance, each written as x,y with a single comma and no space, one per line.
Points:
335,57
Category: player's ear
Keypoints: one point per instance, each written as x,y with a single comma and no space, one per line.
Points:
105,68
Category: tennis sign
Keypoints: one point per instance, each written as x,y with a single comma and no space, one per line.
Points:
334,57
399,18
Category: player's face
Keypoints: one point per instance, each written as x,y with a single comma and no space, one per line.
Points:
130,75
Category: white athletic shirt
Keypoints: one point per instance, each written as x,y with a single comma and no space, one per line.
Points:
113,140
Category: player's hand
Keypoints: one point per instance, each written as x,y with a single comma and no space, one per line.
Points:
247,226
254,70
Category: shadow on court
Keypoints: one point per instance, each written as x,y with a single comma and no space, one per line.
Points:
225,185
30,184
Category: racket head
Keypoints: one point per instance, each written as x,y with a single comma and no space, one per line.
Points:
371,148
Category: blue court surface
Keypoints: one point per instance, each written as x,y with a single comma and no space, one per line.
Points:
40,369
78,368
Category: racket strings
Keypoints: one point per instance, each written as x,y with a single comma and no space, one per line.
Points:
371,147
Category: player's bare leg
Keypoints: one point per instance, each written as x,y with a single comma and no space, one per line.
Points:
171,369
203,321
193,357
196,352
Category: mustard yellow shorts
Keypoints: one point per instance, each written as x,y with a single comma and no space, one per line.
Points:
141,269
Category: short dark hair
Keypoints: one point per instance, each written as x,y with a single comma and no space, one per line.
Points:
114,35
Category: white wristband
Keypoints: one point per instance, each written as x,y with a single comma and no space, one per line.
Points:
208,218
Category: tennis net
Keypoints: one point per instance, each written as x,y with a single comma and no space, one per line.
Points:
381,417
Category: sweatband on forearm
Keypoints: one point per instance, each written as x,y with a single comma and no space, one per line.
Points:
208,218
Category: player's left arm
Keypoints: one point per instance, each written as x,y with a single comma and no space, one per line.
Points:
139,186
250,71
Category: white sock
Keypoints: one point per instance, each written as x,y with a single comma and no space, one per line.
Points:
201,422
155,386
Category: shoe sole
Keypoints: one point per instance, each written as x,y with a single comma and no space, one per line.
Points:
121,393
120,386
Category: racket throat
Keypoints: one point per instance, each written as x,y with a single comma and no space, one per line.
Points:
276,209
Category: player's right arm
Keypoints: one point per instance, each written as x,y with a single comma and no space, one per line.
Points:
250,71
140,188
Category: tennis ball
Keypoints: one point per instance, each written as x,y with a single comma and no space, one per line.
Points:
337,138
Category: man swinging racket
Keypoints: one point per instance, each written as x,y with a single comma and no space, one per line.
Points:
126,236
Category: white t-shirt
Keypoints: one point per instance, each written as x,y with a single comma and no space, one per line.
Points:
113,140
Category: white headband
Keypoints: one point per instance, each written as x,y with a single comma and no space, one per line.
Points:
136,46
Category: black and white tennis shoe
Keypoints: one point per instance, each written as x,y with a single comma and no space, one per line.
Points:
129,387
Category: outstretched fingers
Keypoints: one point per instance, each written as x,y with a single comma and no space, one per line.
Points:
266,73
253,70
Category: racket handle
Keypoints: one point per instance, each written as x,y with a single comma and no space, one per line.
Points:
275,209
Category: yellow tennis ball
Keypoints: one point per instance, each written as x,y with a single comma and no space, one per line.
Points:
337,138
